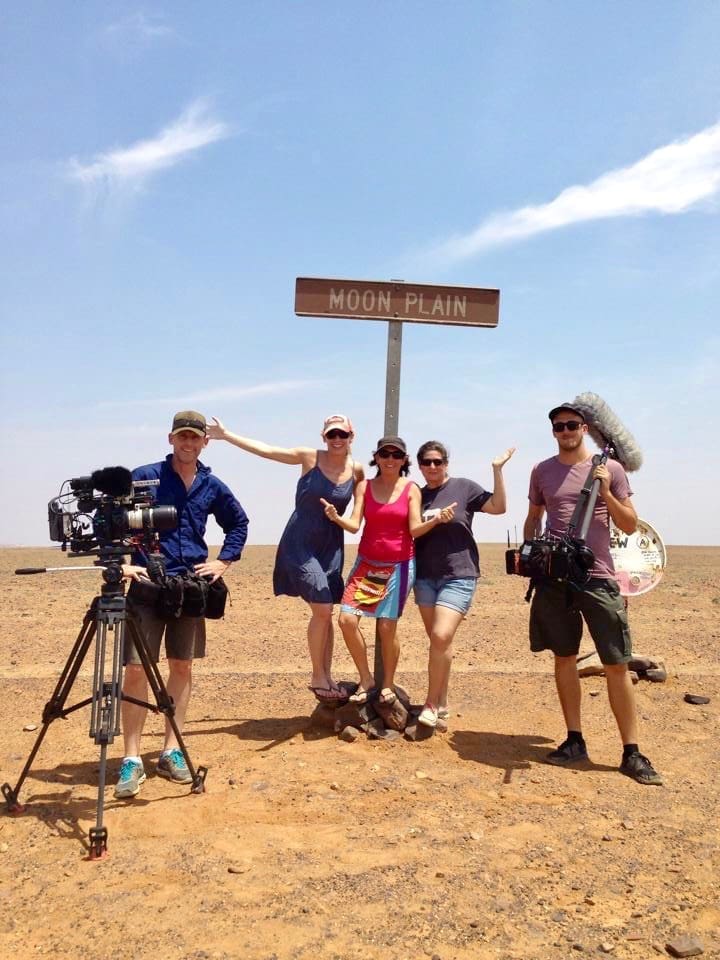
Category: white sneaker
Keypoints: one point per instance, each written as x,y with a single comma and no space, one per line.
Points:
428,716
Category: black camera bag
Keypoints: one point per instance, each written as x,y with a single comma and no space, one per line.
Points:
217,595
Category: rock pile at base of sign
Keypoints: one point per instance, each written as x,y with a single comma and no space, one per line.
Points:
378,720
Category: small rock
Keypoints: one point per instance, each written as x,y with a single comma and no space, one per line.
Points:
29,727
349,734
685,946
593,693
628,824
422,775
607,947
334,786
474,835
634,935
607,836
4,848
238,868
474,924
440,875
694,698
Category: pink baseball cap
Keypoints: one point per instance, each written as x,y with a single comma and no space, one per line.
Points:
337,421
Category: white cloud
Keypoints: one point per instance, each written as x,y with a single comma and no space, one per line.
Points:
131,166
137,28
220,394
670,180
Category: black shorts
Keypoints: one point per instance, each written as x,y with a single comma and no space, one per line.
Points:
557,626
184,636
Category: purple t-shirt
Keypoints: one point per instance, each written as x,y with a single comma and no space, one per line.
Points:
556,486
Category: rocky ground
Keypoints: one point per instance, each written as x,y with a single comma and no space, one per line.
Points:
466,845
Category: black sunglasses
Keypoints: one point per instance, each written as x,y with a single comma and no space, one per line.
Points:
430,462
336,435
395,454
571,425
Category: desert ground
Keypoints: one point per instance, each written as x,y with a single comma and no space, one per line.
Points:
465,845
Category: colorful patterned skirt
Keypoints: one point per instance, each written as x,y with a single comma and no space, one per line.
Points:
378,589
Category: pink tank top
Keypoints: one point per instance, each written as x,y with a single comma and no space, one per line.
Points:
386,537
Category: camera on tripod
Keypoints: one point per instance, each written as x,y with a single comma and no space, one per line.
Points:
107,508
551,558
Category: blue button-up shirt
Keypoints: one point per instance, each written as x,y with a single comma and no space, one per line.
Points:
185,546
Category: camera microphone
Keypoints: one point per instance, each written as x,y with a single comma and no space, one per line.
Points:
605,428
113,481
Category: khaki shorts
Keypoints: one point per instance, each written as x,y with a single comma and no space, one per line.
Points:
558,627
184,636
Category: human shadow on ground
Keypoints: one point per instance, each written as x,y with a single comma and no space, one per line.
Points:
272,731
509,751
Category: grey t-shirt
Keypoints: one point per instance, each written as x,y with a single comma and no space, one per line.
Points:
449,551
556,486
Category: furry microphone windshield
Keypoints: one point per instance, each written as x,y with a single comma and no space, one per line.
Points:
605,428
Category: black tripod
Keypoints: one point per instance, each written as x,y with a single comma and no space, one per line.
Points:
110,611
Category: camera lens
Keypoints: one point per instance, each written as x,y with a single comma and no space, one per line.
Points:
152,518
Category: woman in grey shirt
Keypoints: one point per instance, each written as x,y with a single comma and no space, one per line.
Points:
447,562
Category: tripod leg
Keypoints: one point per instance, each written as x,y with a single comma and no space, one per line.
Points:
165,703
55,707
98,834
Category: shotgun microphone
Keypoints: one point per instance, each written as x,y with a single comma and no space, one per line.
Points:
606,430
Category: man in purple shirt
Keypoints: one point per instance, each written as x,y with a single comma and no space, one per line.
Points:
557,611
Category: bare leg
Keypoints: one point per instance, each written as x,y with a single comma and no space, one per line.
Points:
568,688
622,700
441,624
133,717
390,646
320,644
355,642
179,685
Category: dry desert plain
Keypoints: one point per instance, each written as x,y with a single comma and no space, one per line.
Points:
466,845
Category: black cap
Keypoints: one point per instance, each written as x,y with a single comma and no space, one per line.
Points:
391,442
567,406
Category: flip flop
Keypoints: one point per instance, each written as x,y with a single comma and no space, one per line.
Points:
389,698
328,695
361,697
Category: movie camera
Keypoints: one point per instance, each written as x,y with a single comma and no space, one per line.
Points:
567,557
91,514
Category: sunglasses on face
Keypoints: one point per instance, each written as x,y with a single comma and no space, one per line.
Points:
336,435
571,425
386,454
432,462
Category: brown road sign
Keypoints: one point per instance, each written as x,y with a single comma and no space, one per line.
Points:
397,300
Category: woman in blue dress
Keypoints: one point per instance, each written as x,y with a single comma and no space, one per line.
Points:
310,554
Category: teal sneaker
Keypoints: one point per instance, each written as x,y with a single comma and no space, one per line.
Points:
172,766
132,774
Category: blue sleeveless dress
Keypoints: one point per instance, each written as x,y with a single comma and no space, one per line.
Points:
310,554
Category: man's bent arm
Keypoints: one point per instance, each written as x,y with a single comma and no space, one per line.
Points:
533,521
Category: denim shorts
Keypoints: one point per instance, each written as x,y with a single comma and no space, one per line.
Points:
456,594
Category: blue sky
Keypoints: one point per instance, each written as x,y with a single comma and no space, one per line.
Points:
167,171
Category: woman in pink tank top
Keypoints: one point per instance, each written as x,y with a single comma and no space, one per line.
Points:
383,574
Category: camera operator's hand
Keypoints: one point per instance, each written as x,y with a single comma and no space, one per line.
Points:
131,572
602,474
216,430
212,568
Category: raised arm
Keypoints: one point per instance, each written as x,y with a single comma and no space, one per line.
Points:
291,455
352,524
497,503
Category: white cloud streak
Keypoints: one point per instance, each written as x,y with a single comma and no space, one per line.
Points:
131,166
220,394
670,180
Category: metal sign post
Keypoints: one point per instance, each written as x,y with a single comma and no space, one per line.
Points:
395,302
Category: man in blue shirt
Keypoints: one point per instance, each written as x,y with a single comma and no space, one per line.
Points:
188,485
